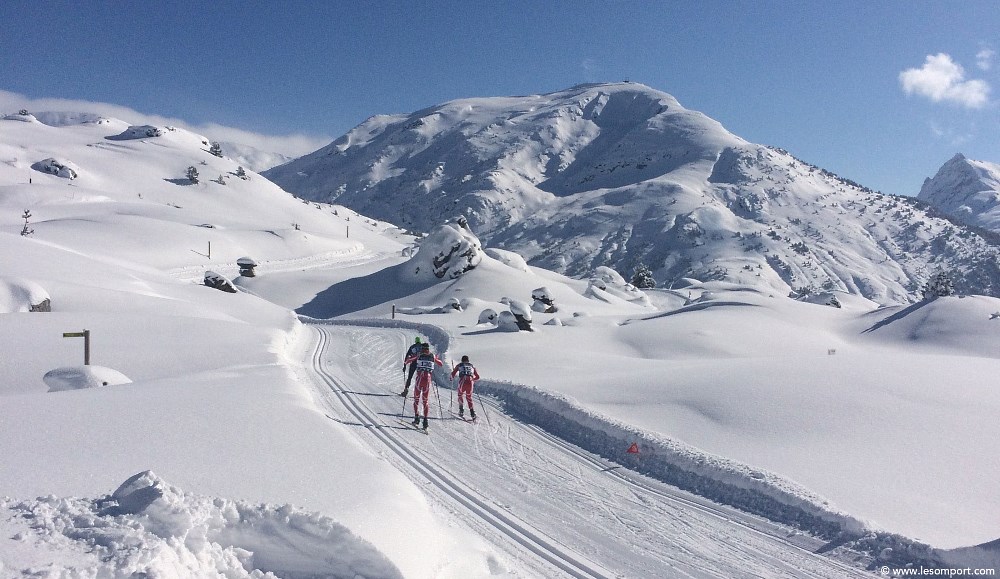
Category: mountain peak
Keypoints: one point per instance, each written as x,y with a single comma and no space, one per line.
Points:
967,190
620,174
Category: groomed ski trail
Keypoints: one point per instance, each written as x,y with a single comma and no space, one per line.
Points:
546,497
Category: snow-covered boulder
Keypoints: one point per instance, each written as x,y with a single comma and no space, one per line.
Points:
219,282
488,316
521,313
543,301
80,377
446,253
506,322
137,132
823,299
247,265
508,258
58,167
22,295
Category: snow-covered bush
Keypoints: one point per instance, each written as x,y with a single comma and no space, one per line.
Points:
543,301
192,174
58,167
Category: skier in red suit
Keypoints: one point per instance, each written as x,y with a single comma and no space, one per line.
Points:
467,376
425,362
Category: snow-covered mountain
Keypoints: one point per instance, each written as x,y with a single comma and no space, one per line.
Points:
276,439
621,175
967,190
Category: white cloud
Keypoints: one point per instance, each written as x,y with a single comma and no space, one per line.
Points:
984,58
942,79
293,145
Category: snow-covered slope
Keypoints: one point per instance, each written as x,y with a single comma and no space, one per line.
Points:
967,190
622,174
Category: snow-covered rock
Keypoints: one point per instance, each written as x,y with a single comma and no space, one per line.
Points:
446,253
488,316
138,132
80,377
58,167
22,295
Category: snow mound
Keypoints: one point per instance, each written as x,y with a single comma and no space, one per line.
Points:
80,377
508,258
58,167
148,528
22,116
607,285
447,253
20,295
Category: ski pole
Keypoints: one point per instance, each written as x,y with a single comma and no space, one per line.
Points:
485,413
402,413
440,410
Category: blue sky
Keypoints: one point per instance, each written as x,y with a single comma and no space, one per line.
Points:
827,81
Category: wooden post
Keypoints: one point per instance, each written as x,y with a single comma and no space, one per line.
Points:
86,343
209,250
394,311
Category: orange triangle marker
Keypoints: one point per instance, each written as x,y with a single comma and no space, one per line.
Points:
634,449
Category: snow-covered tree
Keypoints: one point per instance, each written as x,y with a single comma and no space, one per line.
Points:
242,174
939,285
26,217
643,277
192,174
215,149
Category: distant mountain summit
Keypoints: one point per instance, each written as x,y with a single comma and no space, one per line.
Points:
621,175
967,190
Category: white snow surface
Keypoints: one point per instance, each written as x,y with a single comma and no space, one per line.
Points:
800,440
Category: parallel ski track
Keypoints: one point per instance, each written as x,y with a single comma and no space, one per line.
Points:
530,539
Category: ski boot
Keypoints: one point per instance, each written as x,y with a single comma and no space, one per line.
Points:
416,421
472,413
461,411
425,423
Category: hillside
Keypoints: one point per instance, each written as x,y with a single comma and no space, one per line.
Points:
967,190
622,174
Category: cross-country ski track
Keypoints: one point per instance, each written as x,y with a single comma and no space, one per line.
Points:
553,509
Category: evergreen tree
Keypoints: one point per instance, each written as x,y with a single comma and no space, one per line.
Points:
216,149
192,174
242,174
643,277
939,285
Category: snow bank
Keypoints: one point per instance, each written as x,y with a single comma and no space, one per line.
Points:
137,132
147,528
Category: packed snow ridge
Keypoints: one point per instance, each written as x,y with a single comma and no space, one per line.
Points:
149,528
